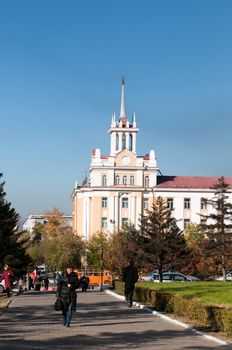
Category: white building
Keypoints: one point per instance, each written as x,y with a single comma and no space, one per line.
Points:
123,184
32,219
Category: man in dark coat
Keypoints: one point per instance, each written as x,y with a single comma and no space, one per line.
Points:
84,282
7,275
130,277
66,291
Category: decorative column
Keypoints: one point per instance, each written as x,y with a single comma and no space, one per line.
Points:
113,144
134,142
127,140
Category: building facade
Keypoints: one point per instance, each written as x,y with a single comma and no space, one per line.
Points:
32,219
122,185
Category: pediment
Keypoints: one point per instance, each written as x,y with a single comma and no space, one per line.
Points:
125,158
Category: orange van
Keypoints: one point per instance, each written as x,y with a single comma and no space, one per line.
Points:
96,277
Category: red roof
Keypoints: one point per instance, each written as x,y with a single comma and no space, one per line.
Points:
146,157
189,181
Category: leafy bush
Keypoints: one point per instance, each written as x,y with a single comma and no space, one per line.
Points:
175,298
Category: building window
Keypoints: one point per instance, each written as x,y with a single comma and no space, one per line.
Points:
203,204
117,180
203,221
124,180
187,203
146,181
124,222
145,203
131,142
117,142
124,202
170,203
132,180
104,180
186,223
104,202
123,141
104,223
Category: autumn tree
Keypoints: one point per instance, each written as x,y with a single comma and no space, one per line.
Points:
197,263
218,228
54,244
125,245
161,239
96,251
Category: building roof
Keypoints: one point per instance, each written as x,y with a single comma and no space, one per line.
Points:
202,182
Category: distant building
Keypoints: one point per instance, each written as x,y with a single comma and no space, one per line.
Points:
122,185
32,219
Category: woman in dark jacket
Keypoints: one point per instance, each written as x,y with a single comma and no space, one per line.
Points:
66,291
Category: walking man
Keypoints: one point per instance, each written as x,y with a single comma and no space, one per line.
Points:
130,277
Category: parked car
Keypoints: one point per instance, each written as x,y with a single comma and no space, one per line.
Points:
193,278
2,286
15,288
168,276
228,277
148,277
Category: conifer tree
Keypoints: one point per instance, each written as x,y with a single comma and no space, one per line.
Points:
161,239
12,242
218,229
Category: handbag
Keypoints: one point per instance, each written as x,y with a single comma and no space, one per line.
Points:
58,305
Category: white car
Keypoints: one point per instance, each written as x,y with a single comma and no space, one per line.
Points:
2,286
15,287
148,277
168,276
228,277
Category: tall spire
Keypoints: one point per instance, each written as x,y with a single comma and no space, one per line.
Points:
123,101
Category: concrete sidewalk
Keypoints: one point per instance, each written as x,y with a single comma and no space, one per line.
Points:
101,322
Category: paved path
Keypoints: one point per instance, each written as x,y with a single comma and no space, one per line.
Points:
101,322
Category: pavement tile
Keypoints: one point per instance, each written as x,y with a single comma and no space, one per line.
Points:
101,322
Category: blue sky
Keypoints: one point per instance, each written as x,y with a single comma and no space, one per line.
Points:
60,69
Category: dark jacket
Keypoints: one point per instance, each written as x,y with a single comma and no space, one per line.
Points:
68,294
130,276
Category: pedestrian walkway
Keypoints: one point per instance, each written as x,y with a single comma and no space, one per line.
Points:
101,322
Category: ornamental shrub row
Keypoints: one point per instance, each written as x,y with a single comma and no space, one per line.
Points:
211,317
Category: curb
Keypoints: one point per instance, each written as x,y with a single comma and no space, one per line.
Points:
169,319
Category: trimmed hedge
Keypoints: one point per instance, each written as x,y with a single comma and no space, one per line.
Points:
212,317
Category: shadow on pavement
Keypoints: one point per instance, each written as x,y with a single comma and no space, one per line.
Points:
103,324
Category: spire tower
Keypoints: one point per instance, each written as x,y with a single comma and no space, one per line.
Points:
123,100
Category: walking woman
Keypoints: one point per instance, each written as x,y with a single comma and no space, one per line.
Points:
66,291
7,275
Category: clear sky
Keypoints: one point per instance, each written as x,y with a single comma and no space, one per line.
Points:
60,69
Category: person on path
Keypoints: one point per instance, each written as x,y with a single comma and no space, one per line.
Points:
46,282
66,291
84,282
30,283
7,275
130,277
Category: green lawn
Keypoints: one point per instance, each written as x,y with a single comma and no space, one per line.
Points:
219,293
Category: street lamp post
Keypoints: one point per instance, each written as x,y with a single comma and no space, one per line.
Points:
102,267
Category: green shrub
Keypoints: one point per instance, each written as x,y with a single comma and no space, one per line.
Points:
210,316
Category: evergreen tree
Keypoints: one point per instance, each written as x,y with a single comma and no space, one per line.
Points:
218,229
161,239
13,243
